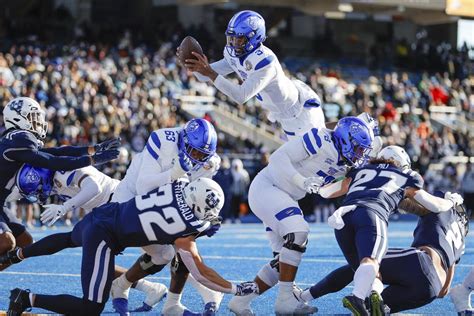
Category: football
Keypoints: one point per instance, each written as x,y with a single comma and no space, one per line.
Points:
187,46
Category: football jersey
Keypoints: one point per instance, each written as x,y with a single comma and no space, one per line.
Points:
441,231
66,185
380,187
322,160
159,217
11,141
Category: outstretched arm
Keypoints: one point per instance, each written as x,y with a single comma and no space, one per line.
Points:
73,151
429,201
45,160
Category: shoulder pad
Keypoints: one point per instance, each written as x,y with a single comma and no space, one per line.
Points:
22,139
259,59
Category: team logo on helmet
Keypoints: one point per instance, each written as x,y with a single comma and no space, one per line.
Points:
355,128
192,126
253,22
32,177
212,200
16,106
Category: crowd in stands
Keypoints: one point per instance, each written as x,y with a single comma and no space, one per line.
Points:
95,91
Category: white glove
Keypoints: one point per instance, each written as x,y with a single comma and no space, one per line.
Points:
310,185
181,165
206,170
52,213
214,163
454,197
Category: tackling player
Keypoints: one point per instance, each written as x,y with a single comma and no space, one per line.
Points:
21,143
373,193
300,166
290,102
141,221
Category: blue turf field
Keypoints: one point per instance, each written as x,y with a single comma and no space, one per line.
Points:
237,252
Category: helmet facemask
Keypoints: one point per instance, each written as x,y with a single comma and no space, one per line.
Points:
237,44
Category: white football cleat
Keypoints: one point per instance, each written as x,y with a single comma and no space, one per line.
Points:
461,298
290,305
240,305
177,310
156,294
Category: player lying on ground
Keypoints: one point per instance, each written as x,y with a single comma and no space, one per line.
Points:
170,153
144,220
415,276
290,102
21,143
273,197
373,192
84,188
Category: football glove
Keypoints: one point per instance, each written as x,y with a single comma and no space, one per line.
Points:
246,288
215,226
52,213
104,156
113,143
181,165
454,197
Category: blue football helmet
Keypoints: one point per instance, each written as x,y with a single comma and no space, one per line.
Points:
198,141
35,184
354,140
245,31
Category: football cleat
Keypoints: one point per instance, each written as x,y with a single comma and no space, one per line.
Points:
461,298
178,310
469,312
210,309
376,305
11,257
19,302
153,297
355,305
291,305
121,306
240,305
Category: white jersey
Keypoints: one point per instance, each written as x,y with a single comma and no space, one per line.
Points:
312,155
263,78
71,186
151,168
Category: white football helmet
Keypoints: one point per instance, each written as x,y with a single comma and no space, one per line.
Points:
398,154
26,114
205,197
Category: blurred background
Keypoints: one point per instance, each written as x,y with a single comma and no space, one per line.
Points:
107,68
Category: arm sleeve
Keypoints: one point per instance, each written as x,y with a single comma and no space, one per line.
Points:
432,203
89,189
45,160
73,151
151,175
282,160
255,83
222,67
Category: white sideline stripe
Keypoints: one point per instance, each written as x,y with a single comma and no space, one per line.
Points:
95,272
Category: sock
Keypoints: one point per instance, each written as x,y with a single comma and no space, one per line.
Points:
48,245
469,280
172,299
306,296
143,285
123,282
363,279
31,299
333,282
377,286
285,288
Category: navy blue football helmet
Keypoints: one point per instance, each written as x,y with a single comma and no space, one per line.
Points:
35,184
198,141
245,31
354,140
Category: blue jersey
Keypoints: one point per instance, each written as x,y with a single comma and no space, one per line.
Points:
443,233
13,140
159,217
380,187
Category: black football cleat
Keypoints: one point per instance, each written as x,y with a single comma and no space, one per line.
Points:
376,305
355,305
11,257
19,302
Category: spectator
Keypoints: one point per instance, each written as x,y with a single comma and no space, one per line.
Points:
225,179
467,187
239,189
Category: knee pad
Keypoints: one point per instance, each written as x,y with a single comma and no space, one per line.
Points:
270,273
293,248
163,255
178,266
147,265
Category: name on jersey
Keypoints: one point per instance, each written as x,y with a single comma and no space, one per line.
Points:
187,213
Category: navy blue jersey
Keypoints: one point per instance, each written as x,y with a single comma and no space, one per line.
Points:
443,233
159,217
11,141
380,187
